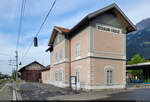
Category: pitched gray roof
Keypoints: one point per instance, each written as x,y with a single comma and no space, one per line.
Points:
32,66
98,12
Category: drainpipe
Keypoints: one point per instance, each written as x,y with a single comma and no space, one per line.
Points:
69,57
70,63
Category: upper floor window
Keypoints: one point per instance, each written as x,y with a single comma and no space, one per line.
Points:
108,28
77,49
59,38
60,54
56,57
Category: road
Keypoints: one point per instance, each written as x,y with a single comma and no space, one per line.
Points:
137,94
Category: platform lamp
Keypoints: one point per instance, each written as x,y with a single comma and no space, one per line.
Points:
20,63
35,42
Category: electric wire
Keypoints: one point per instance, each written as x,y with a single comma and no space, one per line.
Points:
45,18
39,30
20,22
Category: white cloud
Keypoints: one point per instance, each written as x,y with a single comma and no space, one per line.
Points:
139,11
72,20
61,6
9,10
7,47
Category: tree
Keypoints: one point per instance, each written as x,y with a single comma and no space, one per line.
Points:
14,74
1,75
135,60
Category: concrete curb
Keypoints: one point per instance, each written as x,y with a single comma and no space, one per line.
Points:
16,95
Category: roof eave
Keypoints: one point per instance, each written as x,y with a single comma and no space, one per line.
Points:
78,24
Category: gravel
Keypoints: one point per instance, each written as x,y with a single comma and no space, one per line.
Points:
38,91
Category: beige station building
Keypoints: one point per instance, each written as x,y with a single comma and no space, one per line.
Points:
94,51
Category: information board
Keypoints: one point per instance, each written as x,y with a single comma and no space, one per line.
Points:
73,79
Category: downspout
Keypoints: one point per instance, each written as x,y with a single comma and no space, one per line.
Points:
70,63
69,57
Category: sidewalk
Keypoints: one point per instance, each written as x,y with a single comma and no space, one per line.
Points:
91,95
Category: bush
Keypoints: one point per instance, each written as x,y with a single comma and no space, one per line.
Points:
18,81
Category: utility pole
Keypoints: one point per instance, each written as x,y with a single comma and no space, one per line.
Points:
16,60
11,64
16,65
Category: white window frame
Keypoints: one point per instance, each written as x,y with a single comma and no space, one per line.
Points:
109,27
109,76
78,75
56,76
61,54
77,49
56,57
60,75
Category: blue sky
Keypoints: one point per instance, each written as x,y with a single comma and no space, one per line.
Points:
66,13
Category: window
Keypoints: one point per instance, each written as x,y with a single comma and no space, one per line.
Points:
58,39
60,75
56,76
109,76
55,57
55,41
77,49
60,54
61,37
78,75
108,28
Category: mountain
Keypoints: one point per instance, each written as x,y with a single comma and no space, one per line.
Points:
138,42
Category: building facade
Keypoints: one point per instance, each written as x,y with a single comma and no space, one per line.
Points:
94,50
45,74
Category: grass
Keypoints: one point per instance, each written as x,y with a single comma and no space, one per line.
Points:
1,81
4,80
